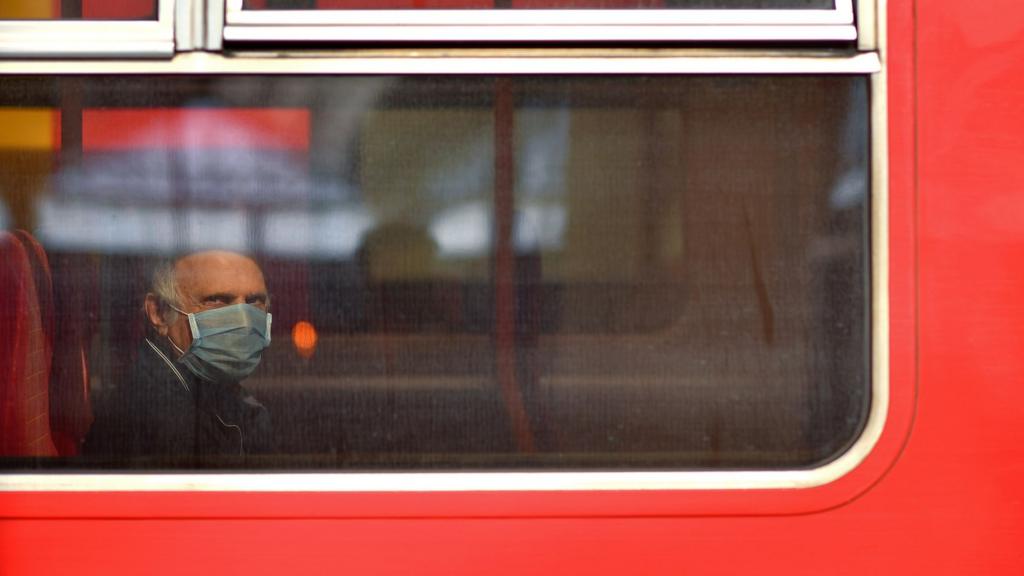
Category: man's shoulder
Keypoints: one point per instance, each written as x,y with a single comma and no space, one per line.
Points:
151,393
150,411
157,381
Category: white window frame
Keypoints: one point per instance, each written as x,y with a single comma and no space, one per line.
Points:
609,63
72,40
533,26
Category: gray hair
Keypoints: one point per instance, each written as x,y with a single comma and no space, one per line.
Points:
164,283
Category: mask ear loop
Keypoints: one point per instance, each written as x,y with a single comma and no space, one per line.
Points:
193,327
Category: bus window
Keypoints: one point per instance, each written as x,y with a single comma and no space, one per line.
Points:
461,273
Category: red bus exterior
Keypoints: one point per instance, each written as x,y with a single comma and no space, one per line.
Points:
942,492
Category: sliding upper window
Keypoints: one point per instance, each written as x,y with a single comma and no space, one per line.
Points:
389,21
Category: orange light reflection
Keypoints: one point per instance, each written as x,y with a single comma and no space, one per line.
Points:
304,338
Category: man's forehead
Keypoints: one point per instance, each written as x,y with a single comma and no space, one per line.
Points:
219,271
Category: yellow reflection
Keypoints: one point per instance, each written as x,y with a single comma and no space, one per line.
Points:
304,338
29,129
27,9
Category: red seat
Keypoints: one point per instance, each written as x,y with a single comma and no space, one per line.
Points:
25,351
76,302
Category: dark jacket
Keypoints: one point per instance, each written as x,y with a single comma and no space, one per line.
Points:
165,416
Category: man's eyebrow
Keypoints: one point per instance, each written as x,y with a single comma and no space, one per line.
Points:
259,296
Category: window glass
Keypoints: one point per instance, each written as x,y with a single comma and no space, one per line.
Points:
535,4
78,9
461,272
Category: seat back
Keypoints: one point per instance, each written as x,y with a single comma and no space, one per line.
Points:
76,302
25,352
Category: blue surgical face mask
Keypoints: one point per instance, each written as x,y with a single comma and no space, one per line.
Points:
227,342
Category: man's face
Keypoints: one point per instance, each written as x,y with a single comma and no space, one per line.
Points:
208,280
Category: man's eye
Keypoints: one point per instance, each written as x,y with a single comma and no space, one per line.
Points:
258,300
216,301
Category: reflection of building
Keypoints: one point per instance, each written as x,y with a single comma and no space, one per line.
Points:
172,180
176,179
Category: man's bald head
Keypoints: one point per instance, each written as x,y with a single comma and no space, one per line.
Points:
202,281
219,278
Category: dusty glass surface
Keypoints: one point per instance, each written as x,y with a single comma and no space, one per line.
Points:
78,9
623,272
537,4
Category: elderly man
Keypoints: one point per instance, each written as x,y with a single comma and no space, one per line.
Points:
208,325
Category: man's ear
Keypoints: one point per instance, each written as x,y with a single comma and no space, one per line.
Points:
154,314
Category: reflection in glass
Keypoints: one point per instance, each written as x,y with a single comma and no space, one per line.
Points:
78,10
643,272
